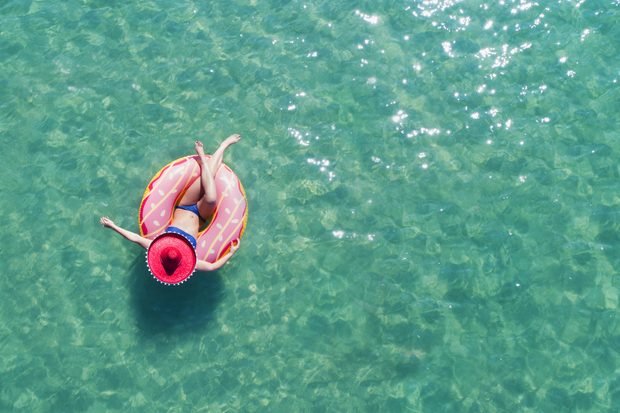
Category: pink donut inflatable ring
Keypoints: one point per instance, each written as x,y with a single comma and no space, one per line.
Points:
167,188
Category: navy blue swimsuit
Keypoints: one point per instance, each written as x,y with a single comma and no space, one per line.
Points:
176,230
189,237
191,208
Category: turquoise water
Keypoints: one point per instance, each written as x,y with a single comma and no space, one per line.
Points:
433,191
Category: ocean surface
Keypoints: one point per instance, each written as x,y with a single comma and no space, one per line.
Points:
434,198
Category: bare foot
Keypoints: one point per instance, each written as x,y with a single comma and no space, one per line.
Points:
204,162
199,149
231,139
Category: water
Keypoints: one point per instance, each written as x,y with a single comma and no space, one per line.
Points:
433,191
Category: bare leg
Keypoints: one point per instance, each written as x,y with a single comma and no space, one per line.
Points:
207,182
208,170
218,155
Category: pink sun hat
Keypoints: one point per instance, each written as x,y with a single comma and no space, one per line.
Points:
171,258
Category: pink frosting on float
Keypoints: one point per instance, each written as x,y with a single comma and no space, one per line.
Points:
166,189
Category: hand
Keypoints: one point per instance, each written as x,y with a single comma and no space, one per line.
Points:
106,222
234,246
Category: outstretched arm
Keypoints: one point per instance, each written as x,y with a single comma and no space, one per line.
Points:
131,236
208,266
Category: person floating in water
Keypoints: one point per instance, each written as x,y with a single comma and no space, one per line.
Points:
196,207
